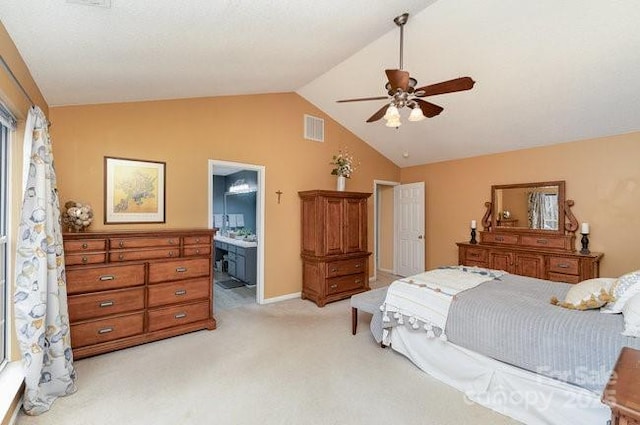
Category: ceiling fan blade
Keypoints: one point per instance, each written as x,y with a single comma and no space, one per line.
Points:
457,84
362,99
398,79
379,114
429,109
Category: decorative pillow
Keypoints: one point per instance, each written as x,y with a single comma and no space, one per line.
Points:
631,313
625,287
588,294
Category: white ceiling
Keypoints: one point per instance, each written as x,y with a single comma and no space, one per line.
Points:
546,71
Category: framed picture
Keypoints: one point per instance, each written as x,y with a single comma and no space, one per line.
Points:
134,191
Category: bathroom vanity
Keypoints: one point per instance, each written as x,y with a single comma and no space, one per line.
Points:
241,257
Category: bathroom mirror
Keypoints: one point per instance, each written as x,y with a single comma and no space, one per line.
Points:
537,207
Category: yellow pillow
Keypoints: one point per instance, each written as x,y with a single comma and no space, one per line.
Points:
588,294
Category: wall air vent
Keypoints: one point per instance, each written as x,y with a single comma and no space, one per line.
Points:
313,128
100,3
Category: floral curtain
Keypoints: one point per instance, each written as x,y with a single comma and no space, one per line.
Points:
536,209
40,299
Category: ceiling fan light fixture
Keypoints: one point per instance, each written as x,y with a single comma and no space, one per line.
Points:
394,122
392,113
416,114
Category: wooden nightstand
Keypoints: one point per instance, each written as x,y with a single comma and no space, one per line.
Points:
622,392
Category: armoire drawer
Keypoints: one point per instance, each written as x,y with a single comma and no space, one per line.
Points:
178,292
196,250
151,242
116,256
85,258
196,240
91,279
179,269
543,242
177,315
567,278
98,304
345,283
476,255
107,329
84,245
346,267
564,265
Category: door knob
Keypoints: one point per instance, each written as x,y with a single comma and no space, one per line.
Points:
419,236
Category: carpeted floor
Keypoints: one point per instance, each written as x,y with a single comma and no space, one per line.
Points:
283,363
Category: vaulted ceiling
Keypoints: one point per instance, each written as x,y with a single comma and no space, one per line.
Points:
546,72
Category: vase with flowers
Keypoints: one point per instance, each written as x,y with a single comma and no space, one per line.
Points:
344,166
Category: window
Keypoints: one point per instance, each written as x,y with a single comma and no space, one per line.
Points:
4,136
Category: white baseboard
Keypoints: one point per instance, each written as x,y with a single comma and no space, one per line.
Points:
385,270
14,416
282,298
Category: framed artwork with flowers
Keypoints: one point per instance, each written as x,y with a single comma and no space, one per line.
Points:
134,191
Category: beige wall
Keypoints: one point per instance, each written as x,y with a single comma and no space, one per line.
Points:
602,176
259,129
385,227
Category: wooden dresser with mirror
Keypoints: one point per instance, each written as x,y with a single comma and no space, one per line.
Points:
529,230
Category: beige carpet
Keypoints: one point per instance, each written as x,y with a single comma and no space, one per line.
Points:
284,363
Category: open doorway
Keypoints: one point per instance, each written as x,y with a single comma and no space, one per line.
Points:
236,209
383,229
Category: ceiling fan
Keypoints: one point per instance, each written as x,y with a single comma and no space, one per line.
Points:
402,91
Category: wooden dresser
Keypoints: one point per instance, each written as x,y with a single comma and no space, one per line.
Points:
555,265
335,260
622,393
129,288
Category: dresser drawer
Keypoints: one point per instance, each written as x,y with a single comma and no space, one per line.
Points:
98,304
346,267
179,269
564,265
567,278
177,292
108,329
85,245
92,279
345,283
200,250
502,238
476,255
177,315
196,240
543,242
116,256
86,258
151,242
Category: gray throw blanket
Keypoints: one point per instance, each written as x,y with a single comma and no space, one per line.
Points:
511,320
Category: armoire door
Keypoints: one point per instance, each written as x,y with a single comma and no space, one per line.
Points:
355,225
334,226
531,265
501,261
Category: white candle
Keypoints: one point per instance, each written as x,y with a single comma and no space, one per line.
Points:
473,224
585,228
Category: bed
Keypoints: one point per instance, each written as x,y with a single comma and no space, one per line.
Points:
496,337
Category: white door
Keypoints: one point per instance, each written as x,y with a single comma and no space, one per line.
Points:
409,222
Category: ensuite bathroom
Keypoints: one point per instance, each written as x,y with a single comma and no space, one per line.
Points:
234,215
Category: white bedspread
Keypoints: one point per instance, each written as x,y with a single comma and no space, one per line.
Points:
425,298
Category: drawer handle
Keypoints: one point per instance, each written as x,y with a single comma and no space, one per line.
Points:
563,265
334,270
170,253
105,331
121,257
181,269
121,244
180,315
85,246
357,266
84,259
334,286
106,303
542,241
181,292
197,251
357,280
197,240
499,238
107,277
475,254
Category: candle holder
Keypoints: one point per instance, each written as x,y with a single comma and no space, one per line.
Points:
473,237
585,244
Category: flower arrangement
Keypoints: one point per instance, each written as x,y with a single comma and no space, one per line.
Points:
77,216
343,163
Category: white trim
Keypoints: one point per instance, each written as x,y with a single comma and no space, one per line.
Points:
376,183
282,298
386,270
260,214
11,377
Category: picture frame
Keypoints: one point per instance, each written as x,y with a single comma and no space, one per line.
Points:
134,191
